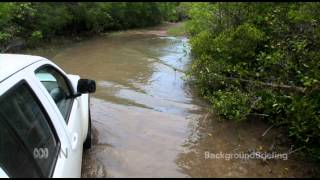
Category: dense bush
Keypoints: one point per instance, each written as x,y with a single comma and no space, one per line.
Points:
261,59
35,21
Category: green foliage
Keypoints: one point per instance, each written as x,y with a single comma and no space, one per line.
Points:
35,21
179,30
201,17
35,37
233,105
4,37
5,12
260,58
50,19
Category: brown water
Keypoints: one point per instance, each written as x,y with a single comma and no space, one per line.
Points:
147,120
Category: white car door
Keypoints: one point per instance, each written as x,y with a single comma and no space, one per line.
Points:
58,89
30,137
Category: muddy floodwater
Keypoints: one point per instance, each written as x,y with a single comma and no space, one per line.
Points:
149,122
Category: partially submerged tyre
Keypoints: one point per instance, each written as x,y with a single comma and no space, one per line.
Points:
87,142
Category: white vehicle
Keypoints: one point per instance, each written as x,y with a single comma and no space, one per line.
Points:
44,118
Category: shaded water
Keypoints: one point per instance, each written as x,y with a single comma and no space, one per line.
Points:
147,121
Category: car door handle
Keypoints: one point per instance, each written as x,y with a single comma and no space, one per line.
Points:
75,138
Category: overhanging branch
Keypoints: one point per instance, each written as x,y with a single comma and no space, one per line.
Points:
260,83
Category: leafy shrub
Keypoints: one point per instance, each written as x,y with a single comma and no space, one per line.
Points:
36,36
28,20
260,58
233,105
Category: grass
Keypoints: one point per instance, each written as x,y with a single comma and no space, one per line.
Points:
178,30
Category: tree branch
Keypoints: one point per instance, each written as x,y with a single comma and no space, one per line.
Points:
282,86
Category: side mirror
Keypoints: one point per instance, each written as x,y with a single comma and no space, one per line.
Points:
86,86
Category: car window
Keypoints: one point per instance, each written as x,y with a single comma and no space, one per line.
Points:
3,174
25,131
15,160
58,88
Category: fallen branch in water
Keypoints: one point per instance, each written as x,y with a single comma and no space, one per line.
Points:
256,114
296,150
260,83
168,65
205,119
266,131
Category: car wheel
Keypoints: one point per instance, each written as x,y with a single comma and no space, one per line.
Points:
87,143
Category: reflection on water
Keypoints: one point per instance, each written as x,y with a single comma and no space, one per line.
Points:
147,122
